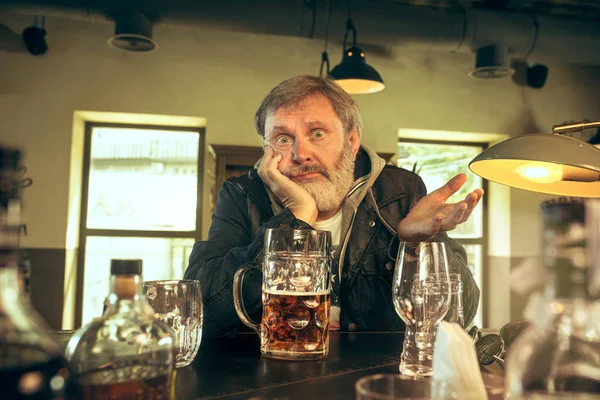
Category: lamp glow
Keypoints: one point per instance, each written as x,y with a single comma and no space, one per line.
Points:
360,86
540,172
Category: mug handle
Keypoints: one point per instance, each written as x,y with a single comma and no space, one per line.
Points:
238,281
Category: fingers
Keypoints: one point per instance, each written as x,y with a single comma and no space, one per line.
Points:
455,217
436,224
447,220
472,200
273,174
262,168
474,197
268,167
451,187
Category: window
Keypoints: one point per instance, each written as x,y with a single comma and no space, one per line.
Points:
140,200
438,162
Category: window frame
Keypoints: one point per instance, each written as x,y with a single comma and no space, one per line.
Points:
85,232
483,241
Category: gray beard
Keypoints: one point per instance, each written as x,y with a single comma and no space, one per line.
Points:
330,194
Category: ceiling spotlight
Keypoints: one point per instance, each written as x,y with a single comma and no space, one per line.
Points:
34,37
133,32
491,62
537,75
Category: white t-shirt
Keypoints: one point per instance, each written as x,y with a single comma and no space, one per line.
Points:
333,225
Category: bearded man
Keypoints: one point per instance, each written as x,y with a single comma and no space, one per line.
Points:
316,175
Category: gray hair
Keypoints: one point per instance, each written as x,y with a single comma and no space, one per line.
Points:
294,90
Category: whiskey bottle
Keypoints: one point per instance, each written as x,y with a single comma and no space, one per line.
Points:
126,353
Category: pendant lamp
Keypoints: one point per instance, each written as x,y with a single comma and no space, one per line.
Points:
544,163
353,73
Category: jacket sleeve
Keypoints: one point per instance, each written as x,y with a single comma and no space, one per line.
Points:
458,264
229,246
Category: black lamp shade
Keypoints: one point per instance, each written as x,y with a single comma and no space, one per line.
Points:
355,75
34,39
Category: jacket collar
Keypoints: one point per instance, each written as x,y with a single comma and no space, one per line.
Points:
256,191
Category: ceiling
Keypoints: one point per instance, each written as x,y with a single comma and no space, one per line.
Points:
157,9
564,31
577,9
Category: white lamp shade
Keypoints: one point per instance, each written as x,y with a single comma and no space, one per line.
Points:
577,161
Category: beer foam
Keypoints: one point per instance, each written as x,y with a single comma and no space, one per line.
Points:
298,294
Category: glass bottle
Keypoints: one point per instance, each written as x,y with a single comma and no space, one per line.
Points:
127,352
559,354
32,365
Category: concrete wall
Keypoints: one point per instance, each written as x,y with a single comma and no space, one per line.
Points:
222,76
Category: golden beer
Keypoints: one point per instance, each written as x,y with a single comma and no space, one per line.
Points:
296,282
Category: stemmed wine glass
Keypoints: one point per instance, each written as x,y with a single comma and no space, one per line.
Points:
421,295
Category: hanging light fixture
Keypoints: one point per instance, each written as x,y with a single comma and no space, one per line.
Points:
353,73
543,163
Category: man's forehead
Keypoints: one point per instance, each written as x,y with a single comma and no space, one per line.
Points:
312,110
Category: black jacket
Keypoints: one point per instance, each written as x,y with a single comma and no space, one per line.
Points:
242,213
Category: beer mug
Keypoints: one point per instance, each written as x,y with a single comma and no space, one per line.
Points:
295,294
178,303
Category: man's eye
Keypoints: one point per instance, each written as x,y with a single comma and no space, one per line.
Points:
318,134
283,140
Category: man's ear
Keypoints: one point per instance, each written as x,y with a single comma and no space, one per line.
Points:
354,139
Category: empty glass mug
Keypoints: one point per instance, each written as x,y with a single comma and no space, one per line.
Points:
296,286
402,387
178,303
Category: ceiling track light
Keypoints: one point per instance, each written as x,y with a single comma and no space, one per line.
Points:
492,62
34,37
133,32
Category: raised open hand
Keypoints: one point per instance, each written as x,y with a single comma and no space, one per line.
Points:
432,215
290,194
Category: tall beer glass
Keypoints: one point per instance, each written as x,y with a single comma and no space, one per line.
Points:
421,295
295,294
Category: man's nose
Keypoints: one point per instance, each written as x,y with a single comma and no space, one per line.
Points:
302,151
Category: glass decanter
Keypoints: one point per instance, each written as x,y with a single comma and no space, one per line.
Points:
127,352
